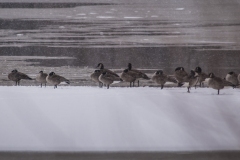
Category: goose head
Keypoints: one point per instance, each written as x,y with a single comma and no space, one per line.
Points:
179,69
231,73
211,75
198,70
159,72
51,74
14,71
193,73
100,65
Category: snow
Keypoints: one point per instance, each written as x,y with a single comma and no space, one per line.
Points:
118,119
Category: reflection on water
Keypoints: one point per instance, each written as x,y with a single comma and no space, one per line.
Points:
152,35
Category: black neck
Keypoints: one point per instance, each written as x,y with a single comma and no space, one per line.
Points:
102,67
129,66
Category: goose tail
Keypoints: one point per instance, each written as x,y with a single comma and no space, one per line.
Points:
146,77
67,81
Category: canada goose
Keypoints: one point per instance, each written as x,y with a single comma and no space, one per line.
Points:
192,79
55,79
41,77
217,83
17,76
95,75
232,77
160,78
128,77
181,76
102,69
108,78
138,74
201,76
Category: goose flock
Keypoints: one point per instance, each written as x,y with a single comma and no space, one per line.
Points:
106,77
43,78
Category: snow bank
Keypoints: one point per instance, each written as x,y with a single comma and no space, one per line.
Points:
118,119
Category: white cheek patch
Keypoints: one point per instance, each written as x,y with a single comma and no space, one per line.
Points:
196,74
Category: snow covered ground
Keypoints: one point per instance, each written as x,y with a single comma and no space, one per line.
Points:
118,119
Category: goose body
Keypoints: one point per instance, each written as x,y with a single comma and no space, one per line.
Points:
201,76
108,78
138,74
215,82
55,79
128,77
233,78
192,79
160,78
17,76
41,77
95,77
181,75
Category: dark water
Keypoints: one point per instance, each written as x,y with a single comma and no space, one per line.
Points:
71,38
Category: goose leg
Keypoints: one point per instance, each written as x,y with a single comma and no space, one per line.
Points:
218,91
108,86
41,85
45,84
138,83
161,86
188,89
18,82
130,84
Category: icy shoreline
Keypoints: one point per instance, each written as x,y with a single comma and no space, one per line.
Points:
118,119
